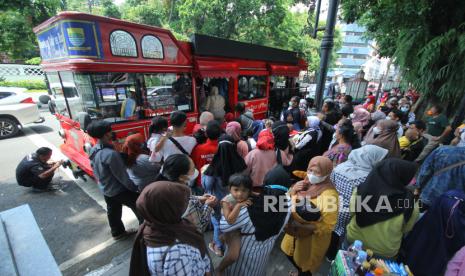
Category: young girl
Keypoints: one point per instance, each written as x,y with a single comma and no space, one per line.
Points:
157,128
240,188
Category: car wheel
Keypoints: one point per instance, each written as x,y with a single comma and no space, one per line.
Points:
8,128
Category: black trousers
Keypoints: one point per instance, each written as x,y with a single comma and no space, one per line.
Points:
115,210
333,246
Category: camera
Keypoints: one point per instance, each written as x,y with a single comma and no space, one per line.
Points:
67,164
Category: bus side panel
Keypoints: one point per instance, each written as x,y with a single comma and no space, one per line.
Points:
73,145
259,107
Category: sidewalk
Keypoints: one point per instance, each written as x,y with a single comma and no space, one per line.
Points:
278,265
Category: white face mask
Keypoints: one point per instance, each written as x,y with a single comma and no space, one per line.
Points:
290,104
315,179
404,109
462,136
194,176
352,115
376,130
388,118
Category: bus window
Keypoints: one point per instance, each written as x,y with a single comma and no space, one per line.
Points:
59,98
168,92
116,95
251,87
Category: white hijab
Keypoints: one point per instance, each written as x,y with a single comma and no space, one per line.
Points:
314,123
361,161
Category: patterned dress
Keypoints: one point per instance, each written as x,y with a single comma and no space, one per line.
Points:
253,257
338,153
179,259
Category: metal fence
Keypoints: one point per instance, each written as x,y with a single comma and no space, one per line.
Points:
21,72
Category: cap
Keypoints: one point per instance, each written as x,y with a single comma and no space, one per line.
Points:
358,244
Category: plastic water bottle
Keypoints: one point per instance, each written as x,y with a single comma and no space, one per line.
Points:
354,249
358,261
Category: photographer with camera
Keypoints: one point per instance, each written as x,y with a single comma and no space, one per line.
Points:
36,170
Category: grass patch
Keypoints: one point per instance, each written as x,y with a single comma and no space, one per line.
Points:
36,91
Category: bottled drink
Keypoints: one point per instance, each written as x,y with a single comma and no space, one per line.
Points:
358,261
354,248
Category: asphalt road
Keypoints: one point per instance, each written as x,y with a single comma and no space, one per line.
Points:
73,221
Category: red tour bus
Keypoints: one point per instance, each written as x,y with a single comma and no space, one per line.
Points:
100,68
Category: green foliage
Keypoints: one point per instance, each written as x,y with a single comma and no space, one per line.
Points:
29,84
16,22
34,61
425,37
110,9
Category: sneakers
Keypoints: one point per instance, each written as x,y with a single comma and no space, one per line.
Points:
125,234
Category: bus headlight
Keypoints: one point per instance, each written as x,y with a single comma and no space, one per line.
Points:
87,147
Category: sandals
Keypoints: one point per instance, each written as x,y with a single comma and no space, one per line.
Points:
218,252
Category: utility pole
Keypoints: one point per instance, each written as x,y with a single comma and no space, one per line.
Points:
325,53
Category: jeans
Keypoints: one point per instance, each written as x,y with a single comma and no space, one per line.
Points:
115,210
216,233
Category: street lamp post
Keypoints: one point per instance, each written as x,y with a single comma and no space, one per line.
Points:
326,46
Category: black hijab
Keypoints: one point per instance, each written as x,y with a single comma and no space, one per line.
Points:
226,161
267,220
281,135
388,178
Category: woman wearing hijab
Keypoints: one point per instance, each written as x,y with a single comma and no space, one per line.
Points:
260,224
346,140
234,130
262,159
367,130
225,163
180,168
167,244
141,171
385,136
346,177
437,236
307,251
384,208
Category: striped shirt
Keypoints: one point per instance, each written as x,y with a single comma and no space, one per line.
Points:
181,259
253,257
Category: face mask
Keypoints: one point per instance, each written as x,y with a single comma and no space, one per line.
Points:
388,118
376,130
352,116
194,176
315,179
462,136
290,103
404,109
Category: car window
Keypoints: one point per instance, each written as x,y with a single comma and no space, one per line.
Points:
5,94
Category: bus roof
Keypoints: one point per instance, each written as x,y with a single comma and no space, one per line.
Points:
83,42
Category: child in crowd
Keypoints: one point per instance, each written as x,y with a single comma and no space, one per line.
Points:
411,135
157,128
240,188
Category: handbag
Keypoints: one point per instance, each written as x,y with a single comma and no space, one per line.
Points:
198,214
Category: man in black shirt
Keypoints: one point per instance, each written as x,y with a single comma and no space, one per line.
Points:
35,171
412,152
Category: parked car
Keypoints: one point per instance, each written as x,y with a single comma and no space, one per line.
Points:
16,110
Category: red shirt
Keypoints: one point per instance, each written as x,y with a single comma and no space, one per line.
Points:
203,154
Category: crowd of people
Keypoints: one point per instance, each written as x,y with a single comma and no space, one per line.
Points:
317,180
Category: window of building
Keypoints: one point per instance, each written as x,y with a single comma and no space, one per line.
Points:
151,47
251,87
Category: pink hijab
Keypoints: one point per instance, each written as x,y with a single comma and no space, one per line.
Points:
233,129
361,115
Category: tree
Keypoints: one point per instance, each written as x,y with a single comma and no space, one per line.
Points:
426,38
110,9
16,22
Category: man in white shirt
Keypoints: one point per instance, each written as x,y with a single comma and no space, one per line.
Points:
175,142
